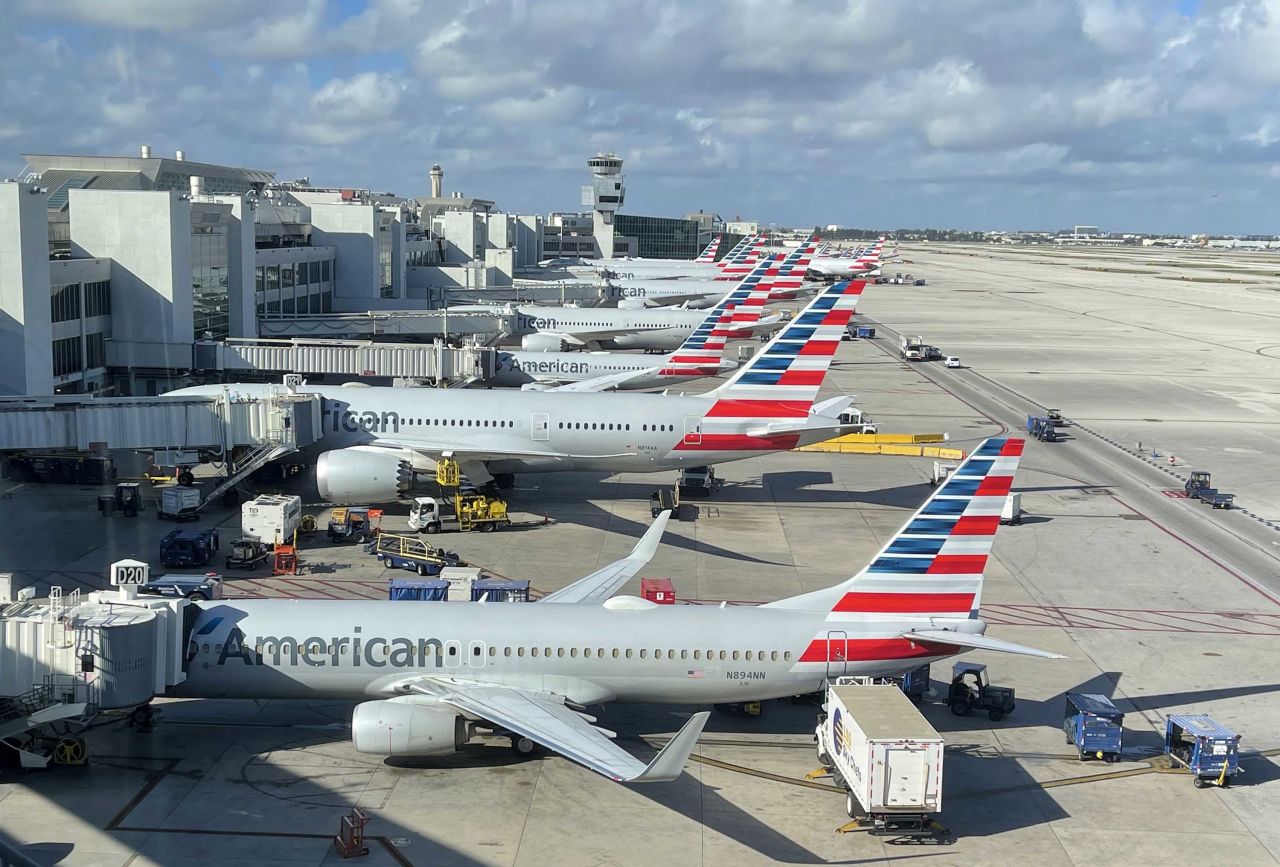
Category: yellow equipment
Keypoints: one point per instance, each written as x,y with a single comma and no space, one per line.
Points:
474,511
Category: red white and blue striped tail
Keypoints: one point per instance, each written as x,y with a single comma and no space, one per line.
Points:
741,264
708,255
702,351
783,379
934,565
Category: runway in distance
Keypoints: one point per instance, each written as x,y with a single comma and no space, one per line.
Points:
373,439
431,677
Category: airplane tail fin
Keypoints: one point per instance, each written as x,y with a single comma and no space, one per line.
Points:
708,255
783,379
703,350
933,566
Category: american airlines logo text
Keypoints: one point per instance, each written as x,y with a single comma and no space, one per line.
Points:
336,418
317,652
535,323
529,365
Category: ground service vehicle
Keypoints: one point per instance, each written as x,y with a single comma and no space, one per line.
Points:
952,361
1200,487
1211,751
471,511
271,517
941,470
1042,428
697,482
970,690
1094,726
354,524
188,547
911,348
665,500
396,551
207,586
854,416
884,753
126,498
248,552
179,504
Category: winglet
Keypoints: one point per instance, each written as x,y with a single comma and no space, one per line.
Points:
648,544
668,764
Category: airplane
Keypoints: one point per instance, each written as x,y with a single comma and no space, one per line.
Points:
706,257
701,354
373,439
693,294
429,678
556,329
862,263
735,265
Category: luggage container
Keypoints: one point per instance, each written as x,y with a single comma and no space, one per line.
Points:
658,590
418,589
1094,726
179,504
1208,749
885,754
1011,511
499,590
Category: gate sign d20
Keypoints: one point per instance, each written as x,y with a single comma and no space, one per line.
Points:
129,572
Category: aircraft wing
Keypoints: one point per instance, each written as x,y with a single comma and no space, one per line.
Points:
606,382
587,337
603,583
545,719
976,642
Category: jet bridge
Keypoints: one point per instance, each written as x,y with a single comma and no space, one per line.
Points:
246,432
435,362
65,658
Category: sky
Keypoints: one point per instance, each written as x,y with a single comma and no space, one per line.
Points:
980,114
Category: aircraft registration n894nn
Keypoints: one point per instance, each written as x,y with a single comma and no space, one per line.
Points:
374,438
430,677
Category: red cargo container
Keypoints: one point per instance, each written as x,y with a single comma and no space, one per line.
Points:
658,590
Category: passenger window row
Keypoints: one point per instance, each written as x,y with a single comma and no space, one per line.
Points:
459,422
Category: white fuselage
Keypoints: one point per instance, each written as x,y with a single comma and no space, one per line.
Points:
588,653
516,368
694,294
644,329
638,432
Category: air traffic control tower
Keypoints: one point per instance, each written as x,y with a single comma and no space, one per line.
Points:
604,196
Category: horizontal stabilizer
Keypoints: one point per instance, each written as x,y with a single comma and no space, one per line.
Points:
976,642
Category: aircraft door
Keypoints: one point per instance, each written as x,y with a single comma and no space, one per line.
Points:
540,426
475,654
837,651
692,430
452,654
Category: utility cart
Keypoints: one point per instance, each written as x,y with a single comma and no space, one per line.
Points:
1094,726
970,690
1208,749
354,524
247,552
397,551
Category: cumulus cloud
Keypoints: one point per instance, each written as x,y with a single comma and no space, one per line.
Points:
970,112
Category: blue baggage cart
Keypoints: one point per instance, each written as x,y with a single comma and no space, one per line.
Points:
1208,749
1094,726
915,684
422,590
499,590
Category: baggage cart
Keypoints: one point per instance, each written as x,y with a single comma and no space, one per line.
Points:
1094,726
1208,749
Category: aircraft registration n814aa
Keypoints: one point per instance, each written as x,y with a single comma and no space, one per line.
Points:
430,677
374,438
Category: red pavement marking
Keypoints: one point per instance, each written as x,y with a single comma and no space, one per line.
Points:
304,587
348,587
1174,493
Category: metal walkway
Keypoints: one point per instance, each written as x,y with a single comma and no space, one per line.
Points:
220,424
419,323
427,361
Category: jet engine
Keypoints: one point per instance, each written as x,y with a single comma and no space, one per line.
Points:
632,304
407,725
536,386
358,475
542,343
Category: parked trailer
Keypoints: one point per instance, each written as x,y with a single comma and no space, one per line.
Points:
271,517
396,551
1215,498
885,754
1208,749
1094,726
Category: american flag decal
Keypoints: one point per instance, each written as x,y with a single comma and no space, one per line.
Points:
695,673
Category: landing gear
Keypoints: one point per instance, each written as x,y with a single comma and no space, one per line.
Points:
522,746
186,479
504,481
142,717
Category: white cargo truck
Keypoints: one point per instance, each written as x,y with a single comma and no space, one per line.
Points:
271,518
884,753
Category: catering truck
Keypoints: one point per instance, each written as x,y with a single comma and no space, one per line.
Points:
879,748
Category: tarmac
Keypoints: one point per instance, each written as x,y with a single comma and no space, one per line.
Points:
1164,604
